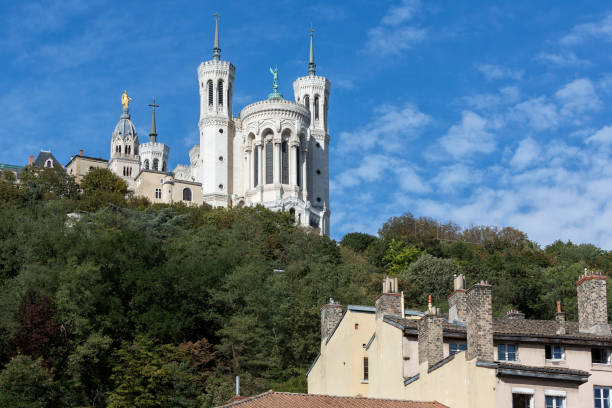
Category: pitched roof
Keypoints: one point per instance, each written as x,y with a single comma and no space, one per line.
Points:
524,328
42,158
291,400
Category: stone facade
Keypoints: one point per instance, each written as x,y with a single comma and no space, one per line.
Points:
431,343
80,165
593,304
479,322
388,304
331,314
457,302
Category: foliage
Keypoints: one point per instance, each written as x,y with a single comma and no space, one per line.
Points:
101,180
358,241
26,383
434,275
44,183
399,256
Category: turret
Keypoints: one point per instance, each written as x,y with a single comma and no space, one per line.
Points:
124,156
216,80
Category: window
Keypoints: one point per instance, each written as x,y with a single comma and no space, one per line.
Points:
164,167
307,102
602,397
366,374
600,356
158,193
90,169
356,324
269,163
256,167
520,400
128,149
285,163
220,92
554,402
146,164
186,194
454,348
155,164
230,91
298,167
554,352
316,107
506,352
49,163
209,85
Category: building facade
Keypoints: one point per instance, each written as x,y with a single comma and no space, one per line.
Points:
468,358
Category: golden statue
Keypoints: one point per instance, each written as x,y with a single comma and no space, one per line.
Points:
125,100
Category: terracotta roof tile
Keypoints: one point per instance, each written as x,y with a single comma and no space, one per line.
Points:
290,400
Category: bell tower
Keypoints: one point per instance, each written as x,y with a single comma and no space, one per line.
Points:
216,84
312,91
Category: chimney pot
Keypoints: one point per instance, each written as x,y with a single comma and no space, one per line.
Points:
390,301
80,152
430,338
592,304
514,314
479,322
457,307
31,161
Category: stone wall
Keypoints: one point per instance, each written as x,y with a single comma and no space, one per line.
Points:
389,303
331,314
479,322
430,339
592,304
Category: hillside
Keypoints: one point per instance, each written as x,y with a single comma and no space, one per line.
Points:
129,304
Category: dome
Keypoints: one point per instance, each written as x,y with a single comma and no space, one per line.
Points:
125,128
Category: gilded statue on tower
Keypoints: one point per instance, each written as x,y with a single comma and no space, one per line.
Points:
125,100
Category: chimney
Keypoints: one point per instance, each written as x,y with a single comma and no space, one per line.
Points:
479,322
31,162
515,315
560,318
592,304
390,301
457,306
80,152
430,337
331,314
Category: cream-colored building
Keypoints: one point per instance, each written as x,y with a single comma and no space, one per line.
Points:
469,358
162,187
80,165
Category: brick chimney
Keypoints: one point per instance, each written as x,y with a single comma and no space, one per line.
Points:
390,301
560,318
457,306
592,304
31,161
515,314
479,322
331,314
430,337
80,152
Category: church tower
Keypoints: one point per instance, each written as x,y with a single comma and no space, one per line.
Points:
312,91
216,82
124,159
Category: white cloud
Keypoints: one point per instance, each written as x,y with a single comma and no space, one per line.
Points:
393,35
494,72
600,29
456,177
603,136
563,59
578,97
468,137
489,101
390,129
526,153
537,113
410,181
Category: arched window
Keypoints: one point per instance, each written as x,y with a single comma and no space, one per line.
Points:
118,149
128,149
229,100
186,194
307,102
256,166
164,167
90,168
209,85
284,162
49,163
146,164
220,93
269,163
316,107
325,107
298,168
156,164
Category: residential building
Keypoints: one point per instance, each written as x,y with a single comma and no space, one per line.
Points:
468,358
80,165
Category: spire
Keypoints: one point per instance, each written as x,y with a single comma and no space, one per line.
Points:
153,134
311,63
216,49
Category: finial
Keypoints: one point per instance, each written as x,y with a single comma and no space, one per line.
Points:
311,63
216,49
153,134
125,100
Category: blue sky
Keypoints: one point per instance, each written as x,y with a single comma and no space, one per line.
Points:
476,112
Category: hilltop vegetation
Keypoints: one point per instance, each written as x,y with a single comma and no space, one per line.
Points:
138,305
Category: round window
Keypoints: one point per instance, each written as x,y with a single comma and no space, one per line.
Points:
220,158
221,186
220,130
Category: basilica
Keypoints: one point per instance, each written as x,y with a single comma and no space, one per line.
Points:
275,152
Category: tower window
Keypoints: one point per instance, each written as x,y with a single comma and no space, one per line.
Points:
164,167
220,130
220,158
156,164
285,163
220,186
307,102
220,92
298,167
316,107
146,164
269,163
186,194
318,171
209,84
256,167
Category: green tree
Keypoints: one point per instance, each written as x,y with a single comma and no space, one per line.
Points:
44,183
26,383
399,255
434,276
358,241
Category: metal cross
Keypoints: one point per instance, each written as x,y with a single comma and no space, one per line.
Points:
153,105
311,30
216,15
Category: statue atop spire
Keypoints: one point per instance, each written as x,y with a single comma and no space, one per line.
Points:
275,94
216,49
153,134
311,63
125,100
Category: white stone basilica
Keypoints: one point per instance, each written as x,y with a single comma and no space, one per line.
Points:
275,153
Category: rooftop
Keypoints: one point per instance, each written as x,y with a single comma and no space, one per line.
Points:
291,400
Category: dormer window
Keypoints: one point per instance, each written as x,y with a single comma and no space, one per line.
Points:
49,163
